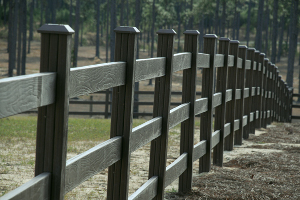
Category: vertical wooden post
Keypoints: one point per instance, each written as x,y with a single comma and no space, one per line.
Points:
273,92
258,84
248,84
189,95
231,84
162,98
265,92
206,119
239,108
279,99
276,94
220,111
52,128
106,103
91,106
122,110
290,104
269,100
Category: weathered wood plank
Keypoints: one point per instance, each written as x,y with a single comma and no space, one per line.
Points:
145,133
246,93
89,79
182,61
199,150
245,118
217,99
215,138
228,95
36,188
219,60
248,64
179,114
239,63
91,162
253,91
175,169
147,191
23,93
236,124
227,129
203,60
230,60
251,116
149,68
238,94
201,106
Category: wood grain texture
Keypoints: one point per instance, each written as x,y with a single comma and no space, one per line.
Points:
245,118
36,188
239,63
238,93
182,61
217,99
149,68
145,133
248,64
87,164
246,93
230,60
175,169
228,95
179,114
219,60
236,124
23,93
215,139
147,191
201,106
93,78
203,60
199,150
227,129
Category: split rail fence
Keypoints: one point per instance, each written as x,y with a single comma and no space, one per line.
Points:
249,94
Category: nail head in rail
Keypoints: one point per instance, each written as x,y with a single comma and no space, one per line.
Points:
56,29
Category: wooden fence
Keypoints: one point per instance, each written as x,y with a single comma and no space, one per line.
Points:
249,94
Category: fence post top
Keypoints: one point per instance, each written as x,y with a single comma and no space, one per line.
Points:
126,29
251,49
191,32
243,47
166,31
212,36
224,39
262,54
56,29
266,60
234,42
256,51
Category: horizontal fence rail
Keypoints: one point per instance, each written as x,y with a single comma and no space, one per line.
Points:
241,91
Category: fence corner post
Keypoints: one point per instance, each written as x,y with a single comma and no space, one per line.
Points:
52,130
206,119
189,96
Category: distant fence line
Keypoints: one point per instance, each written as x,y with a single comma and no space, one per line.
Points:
249,93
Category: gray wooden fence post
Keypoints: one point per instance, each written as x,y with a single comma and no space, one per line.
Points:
265,86
279,99
269,100
122,111
220,111
231,84
291,90
254,91
248,101
258,81
189,95
273,93
162,98
52,126
206,119
239,108
276,104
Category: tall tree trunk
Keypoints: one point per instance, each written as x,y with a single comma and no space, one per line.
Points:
19,38
258,37
223,17
42,12
112,27
178,10
48,11
70,13
238,25
217,17
77,19
282,25
122,13
97,28
24,32
152,33
292,42
127,13
234,22
13,13
81,32
136,84
191,20
4,13
53,11
201,34
267,17
248,22
30,38
275,29
102,21
107,31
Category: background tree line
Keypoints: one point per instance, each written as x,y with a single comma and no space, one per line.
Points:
271,26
